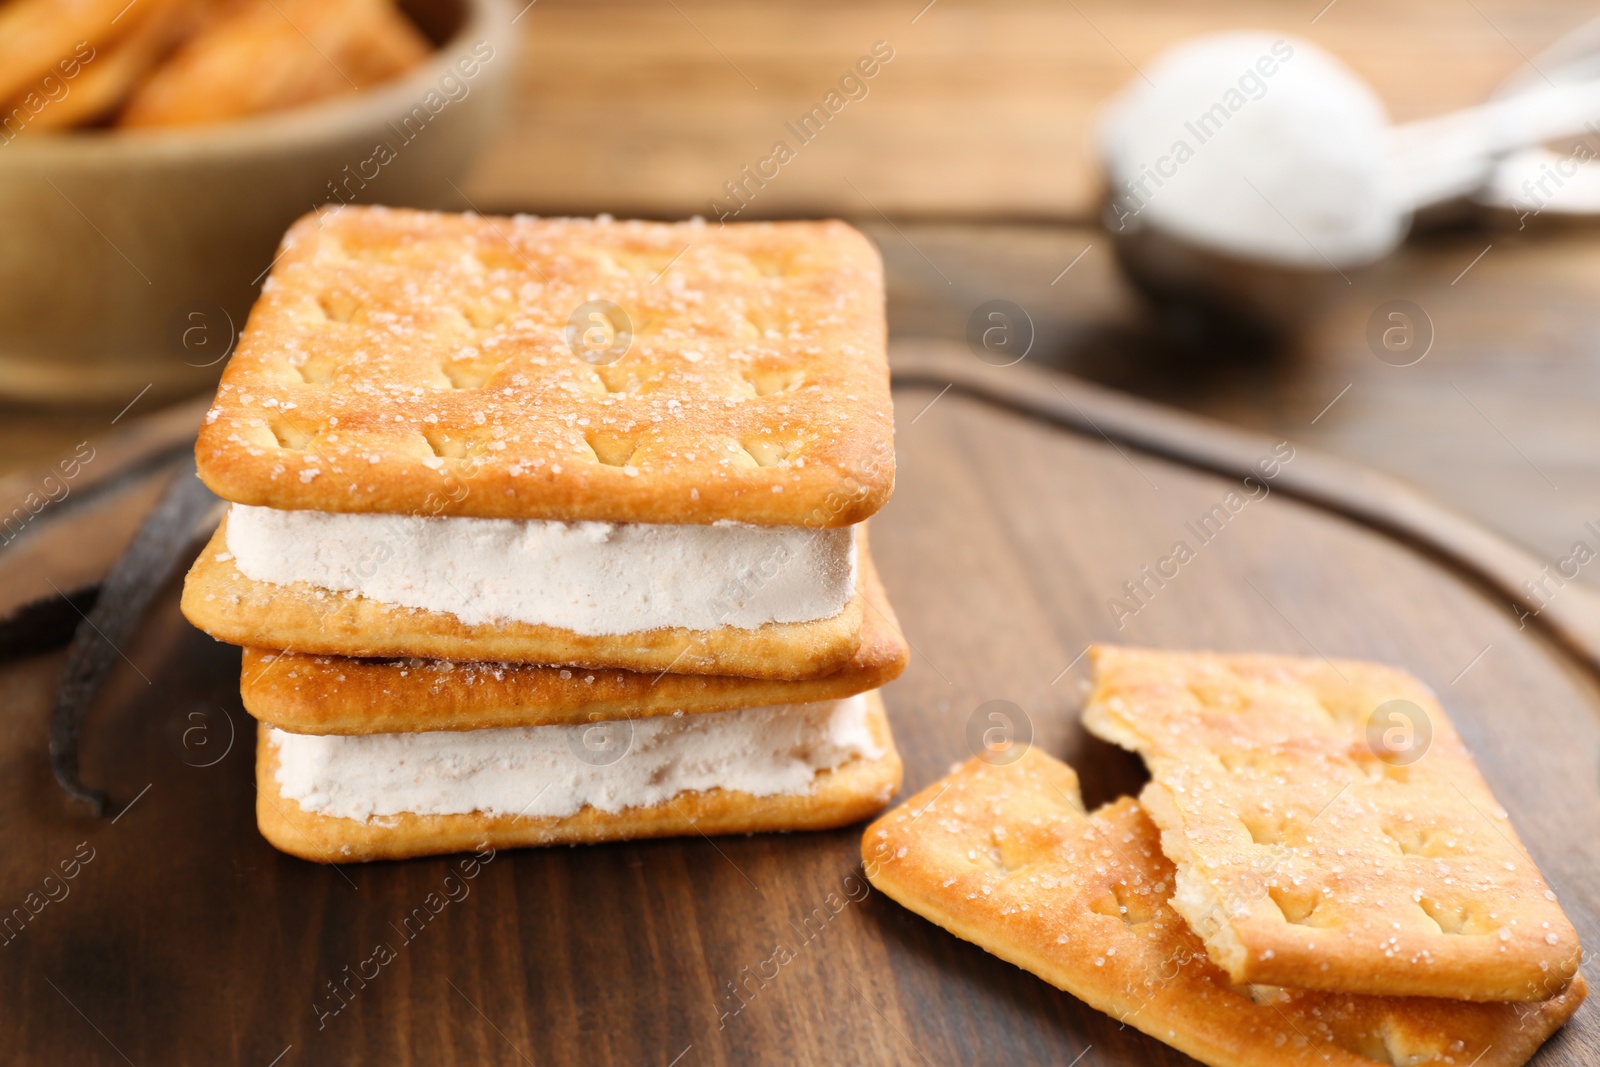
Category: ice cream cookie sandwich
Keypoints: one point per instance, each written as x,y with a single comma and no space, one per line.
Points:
609,444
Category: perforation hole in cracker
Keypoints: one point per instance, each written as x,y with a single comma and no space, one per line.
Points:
762,323
621,377
1300,905
989,856
1456,918
469,370
317,367
339,306
447,445
1411,840
773,382
1264,828
257,439
1007,856
611,450
736,455
485,316
1376,769
290,435
1132,906
767,451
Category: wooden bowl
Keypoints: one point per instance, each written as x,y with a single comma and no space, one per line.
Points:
131,257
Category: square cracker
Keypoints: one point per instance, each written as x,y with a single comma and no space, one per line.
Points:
1383,862
418,362
1005,857
843,795
301,617
338,695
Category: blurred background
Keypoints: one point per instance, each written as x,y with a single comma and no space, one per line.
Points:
138,230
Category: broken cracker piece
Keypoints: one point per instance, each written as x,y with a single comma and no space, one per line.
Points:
1340,790
1005,857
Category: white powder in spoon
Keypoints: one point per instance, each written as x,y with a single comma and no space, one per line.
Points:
1256,145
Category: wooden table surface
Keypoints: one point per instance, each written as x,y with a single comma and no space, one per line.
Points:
648,107
186,939
1497,420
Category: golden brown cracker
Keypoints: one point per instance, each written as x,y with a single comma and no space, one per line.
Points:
339,695
1386,867
1005,857
418,362
841,796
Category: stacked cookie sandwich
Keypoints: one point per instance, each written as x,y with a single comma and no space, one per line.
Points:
1291,889
553,531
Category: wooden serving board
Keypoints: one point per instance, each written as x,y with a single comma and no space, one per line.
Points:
186,939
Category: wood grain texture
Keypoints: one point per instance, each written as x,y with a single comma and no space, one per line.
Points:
1496,421
187,939
985,111
1381,502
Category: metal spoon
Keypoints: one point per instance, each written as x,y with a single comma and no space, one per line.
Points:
1251,174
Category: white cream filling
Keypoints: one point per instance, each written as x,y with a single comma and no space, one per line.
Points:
589,577
559,770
